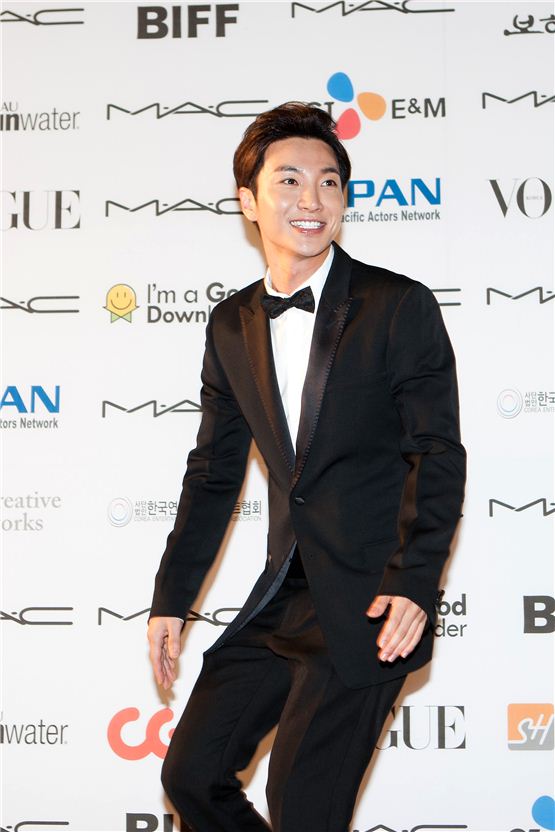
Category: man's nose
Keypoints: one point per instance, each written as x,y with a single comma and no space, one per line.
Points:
309,198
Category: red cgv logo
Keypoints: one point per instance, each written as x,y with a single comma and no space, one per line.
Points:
152,744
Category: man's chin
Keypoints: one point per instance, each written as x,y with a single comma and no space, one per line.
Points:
313,246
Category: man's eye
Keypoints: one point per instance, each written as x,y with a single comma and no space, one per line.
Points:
330,182
289,181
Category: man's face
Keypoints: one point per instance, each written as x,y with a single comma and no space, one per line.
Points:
299,199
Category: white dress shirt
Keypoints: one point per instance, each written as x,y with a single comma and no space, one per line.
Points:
291,334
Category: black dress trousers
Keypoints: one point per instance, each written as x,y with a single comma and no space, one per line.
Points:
275,670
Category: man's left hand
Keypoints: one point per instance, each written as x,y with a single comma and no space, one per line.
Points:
403,628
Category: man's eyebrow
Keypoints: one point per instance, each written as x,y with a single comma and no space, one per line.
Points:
282,168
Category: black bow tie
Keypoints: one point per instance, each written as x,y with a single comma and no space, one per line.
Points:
274,306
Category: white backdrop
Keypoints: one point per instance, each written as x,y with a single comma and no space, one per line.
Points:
117,173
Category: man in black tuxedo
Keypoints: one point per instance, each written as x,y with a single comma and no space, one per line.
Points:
344,375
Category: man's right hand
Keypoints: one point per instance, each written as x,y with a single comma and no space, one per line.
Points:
165,645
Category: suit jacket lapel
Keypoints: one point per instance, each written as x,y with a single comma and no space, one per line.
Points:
256,334
331,317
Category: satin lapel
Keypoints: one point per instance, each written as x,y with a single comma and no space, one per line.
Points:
331,317
256,333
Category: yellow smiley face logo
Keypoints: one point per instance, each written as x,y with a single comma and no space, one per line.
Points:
121,302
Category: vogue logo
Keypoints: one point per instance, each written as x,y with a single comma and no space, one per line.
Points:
426,726
152,743
40,210
530,192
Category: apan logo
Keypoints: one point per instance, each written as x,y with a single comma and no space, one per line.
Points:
530,727
152,743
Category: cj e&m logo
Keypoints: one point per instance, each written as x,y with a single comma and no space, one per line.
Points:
343,8
530,727
151,741
530,197
374,106
41,210
22,401
539,613
418,727
42,17
185,22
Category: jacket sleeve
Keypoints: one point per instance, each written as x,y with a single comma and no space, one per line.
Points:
211,485
423,382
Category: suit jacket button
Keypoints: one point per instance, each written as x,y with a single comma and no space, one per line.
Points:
299,501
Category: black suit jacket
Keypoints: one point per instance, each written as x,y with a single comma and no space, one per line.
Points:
374,489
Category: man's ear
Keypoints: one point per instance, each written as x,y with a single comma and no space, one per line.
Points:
248,203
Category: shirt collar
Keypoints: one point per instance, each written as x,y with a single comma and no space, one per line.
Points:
315,281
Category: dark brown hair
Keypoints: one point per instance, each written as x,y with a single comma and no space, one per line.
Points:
286,121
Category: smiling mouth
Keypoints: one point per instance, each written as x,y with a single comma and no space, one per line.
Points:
307,225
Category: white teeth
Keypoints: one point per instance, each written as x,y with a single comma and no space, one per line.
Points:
306,224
